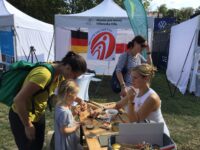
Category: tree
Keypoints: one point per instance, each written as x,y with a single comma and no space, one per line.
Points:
146,3
172,13
185,13
197,11
46,9
162,9
41,9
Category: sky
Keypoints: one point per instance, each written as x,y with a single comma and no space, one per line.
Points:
175,3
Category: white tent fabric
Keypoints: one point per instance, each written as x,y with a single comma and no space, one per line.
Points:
183,48
28,32
105,15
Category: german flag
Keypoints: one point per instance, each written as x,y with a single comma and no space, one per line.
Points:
79,43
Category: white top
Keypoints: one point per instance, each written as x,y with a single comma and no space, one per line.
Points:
155,116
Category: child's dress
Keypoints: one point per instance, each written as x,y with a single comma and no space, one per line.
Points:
64,117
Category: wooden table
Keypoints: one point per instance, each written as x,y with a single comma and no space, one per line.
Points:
93,143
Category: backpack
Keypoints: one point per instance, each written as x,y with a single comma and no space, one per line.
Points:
12,80
115,85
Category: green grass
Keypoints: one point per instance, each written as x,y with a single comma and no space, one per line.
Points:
180,112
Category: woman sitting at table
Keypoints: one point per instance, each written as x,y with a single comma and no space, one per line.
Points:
145,104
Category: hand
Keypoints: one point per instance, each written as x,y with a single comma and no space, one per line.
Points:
118,106
30,132
83,106
77,110
123,92
77,125
131,94
148,48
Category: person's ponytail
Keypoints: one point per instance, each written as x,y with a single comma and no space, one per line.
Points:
77,62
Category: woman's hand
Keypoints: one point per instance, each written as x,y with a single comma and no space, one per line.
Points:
83,106
30,132
131,94
123,92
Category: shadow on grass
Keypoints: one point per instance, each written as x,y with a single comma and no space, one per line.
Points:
188,104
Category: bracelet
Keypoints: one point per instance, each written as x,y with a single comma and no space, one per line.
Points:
148,53
123,85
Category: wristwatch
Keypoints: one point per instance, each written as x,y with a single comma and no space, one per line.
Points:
148,53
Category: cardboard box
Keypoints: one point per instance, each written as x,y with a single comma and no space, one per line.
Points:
137,133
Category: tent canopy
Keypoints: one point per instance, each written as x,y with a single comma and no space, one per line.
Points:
107,13
22,20
28,32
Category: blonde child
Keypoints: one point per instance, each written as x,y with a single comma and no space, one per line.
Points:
65,125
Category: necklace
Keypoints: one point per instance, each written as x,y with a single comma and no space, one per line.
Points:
142,94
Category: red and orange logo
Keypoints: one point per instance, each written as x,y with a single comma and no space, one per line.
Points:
103,44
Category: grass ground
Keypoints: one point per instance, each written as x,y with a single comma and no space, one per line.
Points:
182,114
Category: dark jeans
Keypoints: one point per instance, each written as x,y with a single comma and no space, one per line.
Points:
23,143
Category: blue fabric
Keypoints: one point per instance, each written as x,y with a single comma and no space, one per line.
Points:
138,18
162,23
6,46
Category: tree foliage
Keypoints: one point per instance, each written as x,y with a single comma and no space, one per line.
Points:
40,9
46,9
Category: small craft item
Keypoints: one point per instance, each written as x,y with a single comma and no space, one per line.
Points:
89,126
115,126
116,146
106,125
93,113
91,135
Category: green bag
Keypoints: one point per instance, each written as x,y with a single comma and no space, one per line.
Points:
12,80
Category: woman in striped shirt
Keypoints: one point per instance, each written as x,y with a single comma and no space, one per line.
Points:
131,59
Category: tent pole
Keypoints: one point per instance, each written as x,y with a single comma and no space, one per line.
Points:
183,65
51,45
15,43
17,36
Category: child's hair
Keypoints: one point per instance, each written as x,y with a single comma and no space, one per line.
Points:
145,70
67,86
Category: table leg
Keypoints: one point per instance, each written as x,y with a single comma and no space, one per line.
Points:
81,135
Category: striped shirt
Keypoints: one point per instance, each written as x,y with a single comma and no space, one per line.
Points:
132,61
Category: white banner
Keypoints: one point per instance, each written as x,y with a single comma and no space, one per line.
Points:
101,44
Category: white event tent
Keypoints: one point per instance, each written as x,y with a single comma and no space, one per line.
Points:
105,15
184,56
28,32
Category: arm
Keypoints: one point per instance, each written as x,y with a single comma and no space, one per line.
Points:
82,103
121,79
149,59
129,97
21,101
150,105
68,130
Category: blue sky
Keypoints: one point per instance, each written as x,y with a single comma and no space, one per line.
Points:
175,3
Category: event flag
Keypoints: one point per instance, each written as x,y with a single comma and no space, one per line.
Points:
137,17
79,43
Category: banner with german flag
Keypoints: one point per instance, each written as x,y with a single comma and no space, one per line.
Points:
79,43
